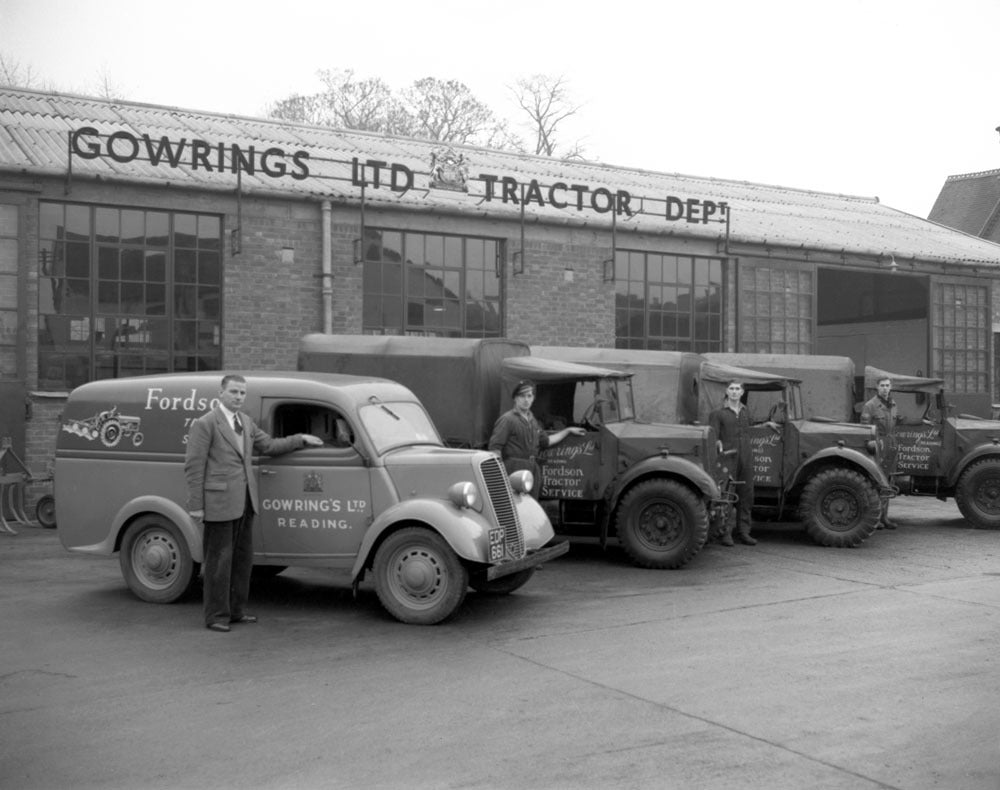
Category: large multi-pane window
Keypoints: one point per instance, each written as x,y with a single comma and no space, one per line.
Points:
960,323
9,304
668,302
431,284
775,308
125,291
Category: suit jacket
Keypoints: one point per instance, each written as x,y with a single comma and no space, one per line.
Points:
218,476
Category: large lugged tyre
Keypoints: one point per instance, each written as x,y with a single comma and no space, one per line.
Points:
839,508
661,524
418,577
978,493
505,585
155,560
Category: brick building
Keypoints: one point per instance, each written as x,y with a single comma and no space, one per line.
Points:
137,238
970,202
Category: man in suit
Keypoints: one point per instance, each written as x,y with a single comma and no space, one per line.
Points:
222,492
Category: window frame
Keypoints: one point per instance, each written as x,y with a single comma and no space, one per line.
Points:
139,330
412,275
701,272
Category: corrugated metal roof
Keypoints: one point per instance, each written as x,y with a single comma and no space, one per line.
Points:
35,128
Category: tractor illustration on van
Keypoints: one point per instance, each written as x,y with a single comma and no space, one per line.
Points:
109,426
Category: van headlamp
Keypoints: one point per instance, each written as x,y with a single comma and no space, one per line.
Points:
464,495
522,481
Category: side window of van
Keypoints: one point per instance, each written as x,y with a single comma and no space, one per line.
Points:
328,424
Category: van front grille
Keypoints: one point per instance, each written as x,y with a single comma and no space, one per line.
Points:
502,499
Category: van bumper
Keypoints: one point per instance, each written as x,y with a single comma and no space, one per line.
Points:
528,561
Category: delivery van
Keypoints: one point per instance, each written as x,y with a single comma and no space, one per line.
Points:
383,495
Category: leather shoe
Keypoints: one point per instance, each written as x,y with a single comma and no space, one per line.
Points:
726,540
218,627
245,618
747,540
886,524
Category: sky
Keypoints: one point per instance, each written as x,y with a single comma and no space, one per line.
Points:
877,98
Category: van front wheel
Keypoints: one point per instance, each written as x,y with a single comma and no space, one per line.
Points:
155,560
418,577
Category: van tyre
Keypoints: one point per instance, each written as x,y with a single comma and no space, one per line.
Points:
156,561
418,578
505,585
978,493
661,524
840,508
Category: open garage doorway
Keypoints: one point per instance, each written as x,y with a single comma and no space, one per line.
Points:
874,318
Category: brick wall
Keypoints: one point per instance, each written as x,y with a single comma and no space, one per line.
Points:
40,442
561,298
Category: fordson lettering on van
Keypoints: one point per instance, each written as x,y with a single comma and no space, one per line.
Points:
155,399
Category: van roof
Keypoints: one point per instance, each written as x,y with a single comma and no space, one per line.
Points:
261,383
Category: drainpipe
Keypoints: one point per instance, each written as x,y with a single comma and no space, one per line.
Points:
327,269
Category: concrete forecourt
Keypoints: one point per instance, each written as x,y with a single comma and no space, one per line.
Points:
787,665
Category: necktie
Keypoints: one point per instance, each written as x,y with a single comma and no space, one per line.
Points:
237,425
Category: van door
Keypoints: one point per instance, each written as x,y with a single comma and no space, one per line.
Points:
316,502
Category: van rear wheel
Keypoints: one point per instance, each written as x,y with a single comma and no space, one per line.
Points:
661,524
418,578
156,561
978,493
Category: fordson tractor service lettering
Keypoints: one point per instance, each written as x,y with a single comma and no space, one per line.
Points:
192,402
567,468
767,451
917,449
302,513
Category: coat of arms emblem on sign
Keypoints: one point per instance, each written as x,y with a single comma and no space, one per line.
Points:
449,170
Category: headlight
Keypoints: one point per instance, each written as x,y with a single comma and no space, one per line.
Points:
871,447
464,495
522,481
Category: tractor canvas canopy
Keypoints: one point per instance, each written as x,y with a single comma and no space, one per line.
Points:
900,382
664,383
541,370
456,379
715,376
828,382
566,391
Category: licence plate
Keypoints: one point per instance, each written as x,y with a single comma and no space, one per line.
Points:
496,545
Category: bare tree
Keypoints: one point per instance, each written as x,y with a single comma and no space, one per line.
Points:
345,103
547,102
446,110
434,109
15,74
108,88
